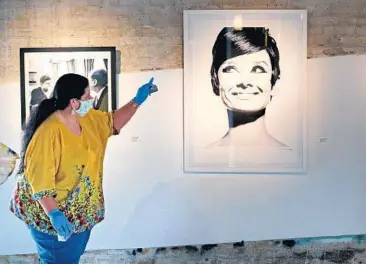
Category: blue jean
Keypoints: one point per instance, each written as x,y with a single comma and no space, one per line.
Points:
52,251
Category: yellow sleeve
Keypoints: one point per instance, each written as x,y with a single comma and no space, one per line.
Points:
42,161
103,122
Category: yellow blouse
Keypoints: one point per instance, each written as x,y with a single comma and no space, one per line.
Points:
68,167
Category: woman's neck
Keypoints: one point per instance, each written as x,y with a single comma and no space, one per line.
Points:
241,118
247,129
70,120
248,134
68,114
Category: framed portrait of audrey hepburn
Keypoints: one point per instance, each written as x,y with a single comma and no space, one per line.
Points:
245,91
40,69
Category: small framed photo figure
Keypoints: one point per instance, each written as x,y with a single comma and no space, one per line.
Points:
40,68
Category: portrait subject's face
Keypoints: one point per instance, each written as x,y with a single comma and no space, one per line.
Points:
245,81
46,86
93,89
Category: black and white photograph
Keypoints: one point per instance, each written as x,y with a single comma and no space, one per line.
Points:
245,91
41,68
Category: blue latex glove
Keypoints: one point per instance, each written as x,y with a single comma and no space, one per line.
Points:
143,92
61,224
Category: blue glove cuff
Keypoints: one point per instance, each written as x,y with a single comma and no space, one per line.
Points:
54,212
135,100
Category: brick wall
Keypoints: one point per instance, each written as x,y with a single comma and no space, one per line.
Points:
148,33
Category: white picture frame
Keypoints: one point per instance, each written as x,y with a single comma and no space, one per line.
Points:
245,107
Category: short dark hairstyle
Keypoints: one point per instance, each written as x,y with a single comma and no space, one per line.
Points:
232,42
101,76
44,78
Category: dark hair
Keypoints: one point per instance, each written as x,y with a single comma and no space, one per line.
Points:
44,78
232,42
101,76
67,87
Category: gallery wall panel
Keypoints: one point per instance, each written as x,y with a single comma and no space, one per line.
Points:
151,202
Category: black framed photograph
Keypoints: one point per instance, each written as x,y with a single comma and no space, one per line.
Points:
40,68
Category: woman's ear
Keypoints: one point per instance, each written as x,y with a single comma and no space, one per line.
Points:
214,81
74,103
275,76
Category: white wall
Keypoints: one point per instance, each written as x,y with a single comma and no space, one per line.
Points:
150,202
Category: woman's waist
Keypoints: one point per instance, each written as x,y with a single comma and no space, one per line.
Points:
77,199
66,188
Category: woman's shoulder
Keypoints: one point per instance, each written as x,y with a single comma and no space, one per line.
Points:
97,116
49,127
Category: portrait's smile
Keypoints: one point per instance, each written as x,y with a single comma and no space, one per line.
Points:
245,81
245,94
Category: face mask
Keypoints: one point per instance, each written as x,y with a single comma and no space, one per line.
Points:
84,107
93,94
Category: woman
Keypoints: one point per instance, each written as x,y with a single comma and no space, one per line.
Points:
245,68
59,192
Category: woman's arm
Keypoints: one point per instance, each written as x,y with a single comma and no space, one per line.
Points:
58,219
124,114
48,204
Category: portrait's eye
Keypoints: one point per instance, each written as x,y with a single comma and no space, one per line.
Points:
258,69
229,69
